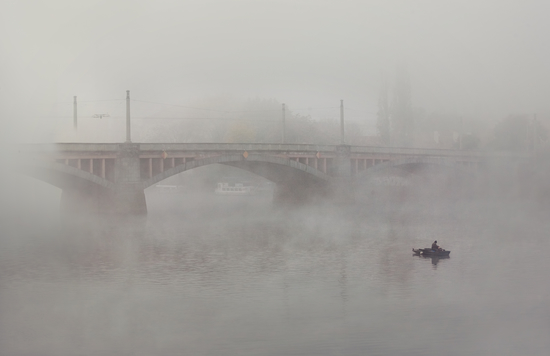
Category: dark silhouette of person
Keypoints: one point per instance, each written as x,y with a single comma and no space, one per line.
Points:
434,246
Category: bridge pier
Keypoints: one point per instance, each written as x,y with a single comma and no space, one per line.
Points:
127,197
340,190
343,191
129,200
127,165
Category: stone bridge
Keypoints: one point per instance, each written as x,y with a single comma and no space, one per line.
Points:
103,177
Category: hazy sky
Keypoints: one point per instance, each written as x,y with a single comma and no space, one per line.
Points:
482,58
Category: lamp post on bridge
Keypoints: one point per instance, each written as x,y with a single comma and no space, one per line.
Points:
283,128
535,134
342,137
343,188
128,138
75,124
461,134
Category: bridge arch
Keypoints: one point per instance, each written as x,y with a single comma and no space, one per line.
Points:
63,176
413,161
277,169
82,192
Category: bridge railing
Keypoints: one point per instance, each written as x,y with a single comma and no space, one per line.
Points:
272,147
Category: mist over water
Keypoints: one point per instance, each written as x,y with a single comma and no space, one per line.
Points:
203,274
239,276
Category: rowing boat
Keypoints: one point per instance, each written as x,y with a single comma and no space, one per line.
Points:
430,252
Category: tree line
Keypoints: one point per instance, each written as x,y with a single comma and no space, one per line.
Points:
402,125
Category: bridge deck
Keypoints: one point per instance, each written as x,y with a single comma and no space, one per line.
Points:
109,149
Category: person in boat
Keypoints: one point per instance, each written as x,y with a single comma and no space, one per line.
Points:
435,247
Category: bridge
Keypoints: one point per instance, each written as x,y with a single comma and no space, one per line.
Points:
111,177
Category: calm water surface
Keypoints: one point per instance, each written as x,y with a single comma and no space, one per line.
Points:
231,276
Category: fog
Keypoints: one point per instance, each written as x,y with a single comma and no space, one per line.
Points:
204,273
485,59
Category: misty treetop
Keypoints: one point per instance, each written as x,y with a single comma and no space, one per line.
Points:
400,124
395,118
231,120
519,133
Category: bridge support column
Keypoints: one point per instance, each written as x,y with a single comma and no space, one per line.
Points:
342,187
128,197
340,190
129,200
127,166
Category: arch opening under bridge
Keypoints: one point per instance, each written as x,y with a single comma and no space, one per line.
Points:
413,164
279,170
64,176
82,192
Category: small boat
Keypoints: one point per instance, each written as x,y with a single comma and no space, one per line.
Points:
430,252
224,188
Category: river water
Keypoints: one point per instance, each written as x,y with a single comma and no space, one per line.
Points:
236,276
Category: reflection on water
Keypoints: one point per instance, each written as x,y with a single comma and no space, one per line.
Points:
435,259
239,277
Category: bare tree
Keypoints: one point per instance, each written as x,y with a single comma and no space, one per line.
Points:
383,120
402,122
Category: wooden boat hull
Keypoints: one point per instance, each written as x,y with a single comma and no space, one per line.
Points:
430,252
